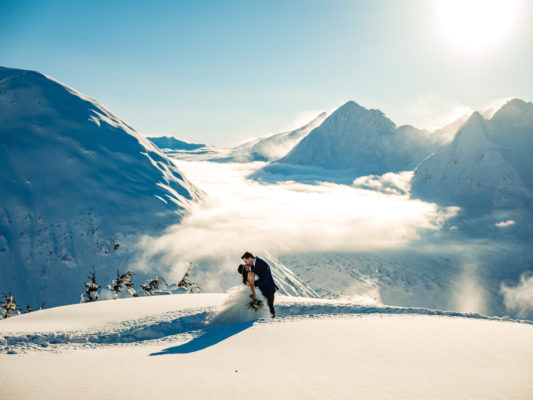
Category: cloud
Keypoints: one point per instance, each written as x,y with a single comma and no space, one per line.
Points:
468,295
433,112
281,218
490,108
504,224
302,118
390,183
520,297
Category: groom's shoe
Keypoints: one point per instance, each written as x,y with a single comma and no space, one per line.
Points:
273,315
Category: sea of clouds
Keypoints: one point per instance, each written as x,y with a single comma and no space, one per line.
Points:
240,214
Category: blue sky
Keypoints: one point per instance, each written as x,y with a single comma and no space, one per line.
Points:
220,72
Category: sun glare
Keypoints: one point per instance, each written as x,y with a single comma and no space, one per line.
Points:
476,25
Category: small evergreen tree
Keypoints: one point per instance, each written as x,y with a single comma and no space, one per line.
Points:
151,285
91,288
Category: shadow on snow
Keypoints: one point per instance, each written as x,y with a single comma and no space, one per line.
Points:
208,338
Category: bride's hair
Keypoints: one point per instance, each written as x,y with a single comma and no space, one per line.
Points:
243,272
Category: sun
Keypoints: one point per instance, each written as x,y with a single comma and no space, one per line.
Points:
476,25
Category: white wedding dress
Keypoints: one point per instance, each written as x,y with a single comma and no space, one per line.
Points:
236,307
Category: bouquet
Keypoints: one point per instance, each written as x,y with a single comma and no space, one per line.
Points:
255,304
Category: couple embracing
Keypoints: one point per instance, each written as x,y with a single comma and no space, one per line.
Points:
256,273
240,304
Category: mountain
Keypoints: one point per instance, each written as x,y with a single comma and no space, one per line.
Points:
365,142
78,186
487,169
170,142
446,134
273,147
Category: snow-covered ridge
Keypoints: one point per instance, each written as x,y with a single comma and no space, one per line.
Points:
78,185
360,141
171,143
274,147
486,169
144,320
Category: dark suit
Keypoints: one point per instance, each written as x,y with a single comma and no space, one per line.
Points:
265,283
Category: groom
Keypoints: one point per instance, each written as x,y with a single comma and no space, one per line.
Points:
265,282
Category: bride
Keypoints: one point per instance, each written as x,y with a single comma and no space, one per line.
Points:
244,303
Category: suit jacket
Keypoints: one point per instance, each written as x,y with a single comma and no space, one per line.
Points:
265,282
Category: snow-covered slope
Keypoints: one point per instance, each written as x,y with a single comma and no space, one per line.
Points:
77,186
365,142
447,133
170,142
267,148
487,169
273,147
319,349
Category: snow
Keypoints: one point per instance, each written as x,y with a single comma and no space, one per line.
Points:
273,147
358,141
265,148
315,349
486,169
80,187
100,313
446,134
75,181
171,143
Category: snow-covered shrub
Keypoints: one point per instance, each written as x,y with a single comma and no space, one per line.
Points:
121,281
29,309
186,283
8,306
151,285
91,288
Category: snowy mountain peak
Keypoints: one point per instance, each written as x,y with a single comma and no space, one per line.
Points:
351,106
516,112
352,110
25,94
486,169
516,105
474,124
475,118
363,141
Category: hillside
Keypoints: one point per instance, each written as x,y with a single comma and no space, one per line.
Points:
78,186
